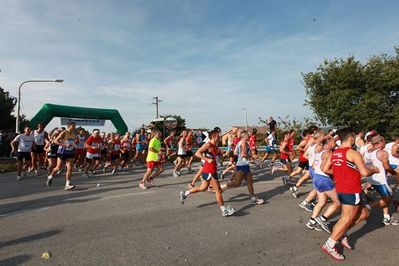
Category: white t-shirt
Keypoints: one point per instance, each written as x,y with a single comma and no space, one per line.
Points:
24,142
39,137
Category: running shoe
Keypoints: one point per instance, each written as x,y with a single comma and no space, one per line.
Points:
273,170
332,252
36,172
345,243
178,173
142,186
113,172
228,211
49,182
190,170
394,222
182,196
151,181
222,176
175,174
306,207
104,169
386,221
91,174
257,201
85,175
323,225
69,187
313,226
19,178
294,191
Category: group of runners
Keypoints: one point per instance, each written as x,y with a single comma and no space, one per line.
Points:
335,162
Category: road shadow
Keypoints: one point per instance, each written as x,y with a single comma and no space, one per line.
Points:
70,197
16,260
29,238
373,223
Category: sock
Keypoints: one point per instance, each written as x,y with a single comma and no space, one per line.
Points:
50,177
387,216
223,208
305,202
323,218
330,242
68,182
312,220
186,193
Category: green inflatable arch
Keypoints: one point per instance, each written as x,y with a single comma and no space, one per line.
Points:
48,111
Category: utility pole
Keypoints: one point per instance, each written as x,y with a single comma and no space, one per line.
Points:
246,117
157,101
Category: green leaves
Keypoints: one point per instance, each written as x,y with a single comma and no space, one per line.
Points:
345,92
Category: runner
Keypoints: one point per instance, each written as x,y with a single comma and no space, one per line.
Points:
393,151
93,146
208,153
270,149
291,143
181,154
168,143
303,165
378,157
126,149
80,149
38,153
153,160
347,166
114,147
324,186
233,158
284,155
52,149
359,142
189,152
243,169
141,147
23,144
66,154
253,146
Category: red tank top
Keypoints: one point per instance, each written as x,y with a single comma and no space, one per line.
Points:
301,153
284,156
210,168
291,143
347,177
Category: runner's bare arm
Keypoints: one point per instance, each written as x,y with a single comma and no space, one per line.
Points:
383,157
357,159
326,163
200,152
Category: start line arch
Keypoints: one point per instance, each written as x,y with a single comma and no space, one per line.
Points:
49,111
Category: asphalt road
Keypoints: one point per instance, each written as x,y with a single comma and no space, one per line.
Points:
119,224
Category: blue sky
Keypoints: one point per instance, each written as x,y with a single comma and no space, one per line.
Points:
204,59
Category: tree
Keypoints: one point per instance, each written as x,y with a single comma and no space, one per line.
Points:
345,92
7,103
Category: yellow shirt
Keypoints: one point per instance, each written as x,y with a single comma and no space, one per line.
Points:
156,145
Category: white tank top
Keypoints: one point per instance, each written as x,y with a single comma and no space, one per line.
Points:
392,159
242,161
39,137
311,154
363,149
370,158
357,146
317,163
182,149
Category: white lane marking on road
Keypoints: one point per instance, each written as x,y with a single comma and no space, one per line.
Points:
127,195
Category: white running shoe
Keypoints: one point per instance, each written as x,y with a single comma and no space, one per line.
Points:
257,201
36,172
69,187
142,186
113,172
228,211
19,178
175,174
332,252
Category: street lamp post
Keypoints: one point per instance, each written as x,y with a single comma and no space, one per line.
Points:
19,97
246,117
